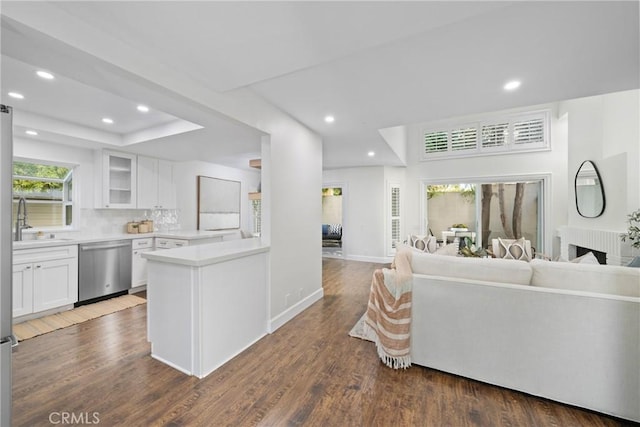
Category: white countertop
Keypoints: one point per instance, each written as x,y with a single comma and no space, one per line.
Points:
74,238
210,253
194,234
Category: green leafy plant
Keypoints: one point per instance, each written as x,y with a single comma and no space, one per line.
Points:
633,232
466,191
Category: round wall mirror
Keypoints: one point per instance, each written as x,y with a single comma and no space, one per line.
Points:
590,201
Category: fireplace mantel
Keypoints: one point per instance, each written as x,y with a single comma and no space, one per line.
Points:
609,242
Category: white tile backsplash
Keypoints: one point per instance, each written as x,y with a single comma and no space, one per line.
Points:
114,221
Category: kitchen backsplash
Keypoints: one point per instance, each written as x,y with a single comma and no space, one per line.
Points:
113,221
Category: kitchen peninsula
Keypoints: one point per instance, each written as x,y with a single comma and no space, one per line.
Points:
206,303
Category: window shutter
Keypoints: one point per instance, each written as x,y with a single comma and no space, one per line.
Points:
395,214
464,138
435,142
394,218
494,135
528,131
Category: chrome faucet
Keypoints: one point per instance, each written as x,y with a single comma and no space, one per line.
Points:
21,221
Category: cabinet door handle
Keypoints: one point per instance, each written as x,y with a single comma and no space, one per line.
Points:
28,267
38,266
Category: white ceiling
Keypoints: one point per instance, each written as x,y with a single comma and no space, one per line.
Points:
373,65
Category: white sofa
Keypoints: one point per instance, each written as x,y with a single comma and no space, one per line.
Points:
566,332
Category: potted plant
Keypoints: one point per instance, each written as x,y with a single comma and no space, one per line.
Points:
633,234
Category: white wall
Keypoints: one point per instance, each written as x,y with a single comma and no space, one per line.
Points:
292,206
606,130
363,207
185,178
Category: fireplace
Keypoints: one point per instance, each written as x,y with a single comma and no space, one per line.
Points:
600,256
614,250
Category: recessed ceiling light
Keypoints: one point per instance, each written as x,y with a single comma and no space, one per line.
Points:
31,132
329,119
107,120
371,153
512,85
44,74
143,108
16,95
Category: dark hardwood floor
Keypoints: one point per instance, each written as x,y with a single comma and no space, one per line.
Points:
309,372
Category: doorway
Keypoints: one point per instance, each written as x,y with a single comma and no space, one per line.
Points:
332,221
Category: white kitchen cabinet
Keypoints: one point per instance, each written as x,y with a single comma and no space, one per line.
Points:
55,283
44,279
138,263
164,243
166,186
156,189
117,180
22,289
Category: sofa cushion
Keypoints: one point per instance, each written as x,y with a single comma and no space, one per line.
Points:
484,269
607,279
450,249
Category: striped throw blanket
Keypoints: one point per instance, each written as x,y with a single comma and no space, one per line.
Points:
389,312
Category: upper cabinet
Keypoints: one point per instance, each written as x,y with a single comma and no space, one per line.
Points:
128,181
117,186
156,189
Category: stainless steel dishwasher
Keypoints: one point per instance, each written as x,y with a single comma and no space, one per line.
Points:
104,269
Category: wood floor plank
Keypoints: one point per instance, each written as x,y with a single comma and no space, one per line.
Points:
308,373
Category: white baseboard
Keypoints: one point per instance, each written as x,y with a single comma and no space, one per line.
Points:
294,310
362,258
173,365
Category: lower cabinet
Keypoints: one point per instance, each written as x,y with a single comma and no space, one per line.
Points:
44,279
139,264
22,289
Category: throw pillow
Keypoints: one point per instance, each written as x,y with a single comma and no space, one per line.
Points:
588,258
635,262
422,243
450,249
513,249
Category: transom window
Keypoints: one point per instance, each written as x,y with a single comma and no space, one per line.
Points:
48,191
510,133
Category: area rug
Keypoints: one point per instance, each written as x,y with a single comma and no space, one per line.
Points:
43,325
358,331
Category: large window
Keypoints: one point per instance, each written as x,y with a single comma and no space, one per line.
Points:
487,210
48,191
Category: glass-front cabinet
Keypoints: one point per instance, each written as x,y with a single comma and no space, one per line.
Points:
118,180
